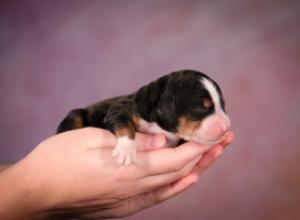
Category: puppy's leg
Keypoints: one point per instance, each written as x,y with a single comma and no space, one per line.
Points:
119,120
125,150
75,119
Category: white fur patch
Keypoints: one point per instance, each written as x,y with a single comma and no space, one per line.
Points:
215,98
210,87
125,151
154,128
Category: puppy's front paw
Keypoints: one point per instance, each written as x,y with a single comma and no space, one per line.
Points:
125,151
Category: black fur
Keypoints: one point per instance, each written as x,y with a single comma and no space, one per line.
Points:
68,122
163,101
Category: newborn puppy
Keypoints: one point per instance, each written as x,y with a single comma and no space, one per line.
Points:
184,105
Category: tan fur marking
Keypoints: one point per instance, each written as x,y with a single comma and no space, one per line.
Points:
207,103
78,122
187,127
135,120
126,131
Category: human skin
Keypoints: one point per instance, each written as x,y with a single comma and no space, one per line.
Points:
73,175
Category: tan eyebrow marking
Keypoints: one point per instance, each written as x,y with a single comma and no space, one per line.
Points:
207,103
78,122
126,131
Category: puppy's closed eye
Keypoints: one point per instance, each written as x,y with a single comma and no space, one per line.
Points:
197,113
199,109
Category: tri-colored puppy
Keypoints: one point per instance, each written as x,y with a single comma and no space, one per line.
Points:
184,105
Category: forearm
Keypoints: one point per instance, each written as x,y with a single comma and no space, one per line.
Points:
18,193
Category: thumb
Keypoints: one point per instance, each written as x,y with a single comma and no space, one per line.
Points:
170,160
146,142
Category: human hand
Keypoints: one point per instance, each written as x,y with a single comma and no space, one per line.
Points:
154,197
72,175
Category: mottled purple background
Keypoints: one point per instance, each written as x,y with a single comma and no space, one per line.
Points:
59,55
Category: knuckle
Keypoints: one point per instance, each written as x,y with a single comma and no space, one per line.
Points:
125,194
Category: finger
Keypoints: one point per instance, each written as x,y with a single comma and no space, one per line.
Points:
208,159
143,201
155,197
210,156
175,188
146,142
171,190
153,182
168,160
228,139
166,192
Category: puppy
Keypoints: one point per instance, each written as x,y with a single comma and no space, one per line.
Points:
183,105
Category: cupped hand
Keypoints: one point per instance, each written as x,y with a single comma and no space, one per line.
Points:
76,177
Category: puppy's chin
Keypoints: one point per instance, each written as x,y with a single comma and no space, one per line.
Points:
206,139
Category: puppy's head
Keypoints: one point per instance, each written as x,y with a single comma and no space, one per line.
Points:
204,119
190,104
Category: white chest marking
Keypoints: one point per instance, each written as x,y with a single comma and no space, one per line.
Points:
154,128
213,92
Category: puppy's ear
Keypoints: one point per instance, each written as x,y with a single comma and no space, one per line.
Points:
162,101
166,111
147,98
174,99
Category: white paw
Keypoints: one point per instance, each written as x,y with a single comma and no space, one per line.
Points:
125,151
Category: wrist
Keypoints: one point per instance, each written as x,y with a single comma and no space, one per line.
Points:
21,195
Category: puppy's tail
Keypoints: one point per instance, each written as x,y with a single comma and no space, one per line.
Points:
76,118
